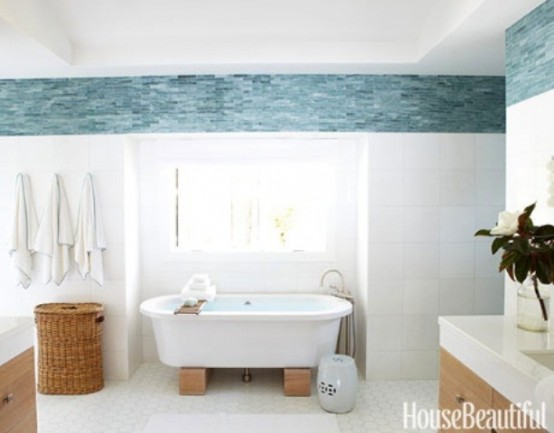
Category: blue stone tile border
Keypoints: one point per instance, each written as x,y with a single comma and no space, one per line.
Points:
249,103
530,54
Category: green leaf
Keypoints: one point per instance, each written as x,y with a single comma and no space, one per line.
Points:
522,245
508,259
510,271
544,269
510,247
545,232
499,243
551,269
522,268
529,209
483,232
540,248
542,275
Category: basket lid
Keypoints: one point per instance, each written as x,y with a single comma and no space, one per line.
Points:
69,308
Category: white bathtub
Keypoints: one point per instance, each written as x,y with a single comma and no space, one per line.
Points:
247,331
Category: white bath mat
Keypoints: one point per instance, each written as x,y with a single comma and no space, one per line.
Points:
243,423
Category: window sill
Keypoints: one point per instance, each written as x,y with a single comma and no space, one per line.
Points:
218,257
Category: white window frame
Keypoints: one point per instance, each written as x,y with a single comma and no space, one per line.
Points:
176,151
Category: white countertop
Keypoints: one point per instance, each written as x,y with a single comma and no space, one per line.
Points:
16,336
492,347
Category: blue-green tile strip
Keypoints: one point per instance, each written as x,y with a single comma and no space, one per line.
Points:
530,54
231,103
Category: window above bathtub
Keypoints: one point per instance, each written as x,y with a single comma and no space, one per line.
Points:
248,198
255,206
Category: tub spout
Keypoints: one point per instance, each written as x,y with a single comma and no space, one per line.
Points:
333,289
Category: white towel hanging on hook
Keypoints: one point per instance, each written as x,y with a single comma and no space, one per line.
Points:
89,236
24,228
54,236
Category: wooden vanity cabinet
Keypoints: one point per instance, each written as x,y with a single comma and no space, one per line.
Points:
499,402
459,384
18,395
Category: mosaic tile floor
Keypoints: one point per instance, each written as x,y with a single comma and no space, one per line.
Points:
124,407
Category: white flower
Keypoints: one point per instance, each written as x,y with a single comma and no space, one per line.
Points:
507,223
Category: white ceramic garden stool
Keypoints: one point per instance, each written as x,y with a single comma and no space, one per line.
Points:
337,383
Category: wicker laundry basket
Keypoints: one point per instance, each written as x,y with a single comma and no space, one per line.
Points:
69,338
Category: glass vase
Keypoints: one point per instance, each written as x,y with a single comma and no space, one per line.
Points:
529,312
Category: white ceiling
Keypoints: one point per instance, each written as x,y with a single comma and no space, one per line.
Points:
63,38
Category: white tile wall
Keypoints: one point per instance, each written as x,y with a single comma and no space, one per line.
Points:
458,152
457,260
362,278
486,295
421,260
387,296
386,224
419,332
421,152
457,187
418,217
457,223
419,364
392,194
384,365
380,263
420,296
72,157
421,187
410,207
428,194
529,169
456,296
384,332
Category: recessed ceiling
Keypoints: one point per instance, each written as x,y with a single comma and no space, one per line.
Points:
63,38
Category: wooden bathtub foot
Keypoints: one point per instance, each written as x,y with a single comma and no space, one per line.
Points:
297,382
193,381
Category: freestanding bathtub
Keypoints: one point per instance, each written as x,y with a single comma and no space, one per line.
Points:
247,331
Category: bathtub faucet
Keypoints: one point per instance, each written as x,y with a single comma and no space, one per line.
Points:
334,290
347,331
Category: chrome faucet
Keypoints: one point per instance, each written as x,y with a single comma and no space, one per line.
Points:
333,289
347,330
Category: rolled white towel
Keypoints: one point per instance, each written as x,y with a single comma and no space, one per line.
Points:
200,278
207,295
201,287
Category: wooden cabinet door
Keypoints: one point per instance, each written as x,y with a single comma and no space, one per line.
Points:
501,403
18,394
459,385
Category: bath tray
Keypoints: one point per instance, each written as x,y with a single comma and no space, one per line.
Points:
190,310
